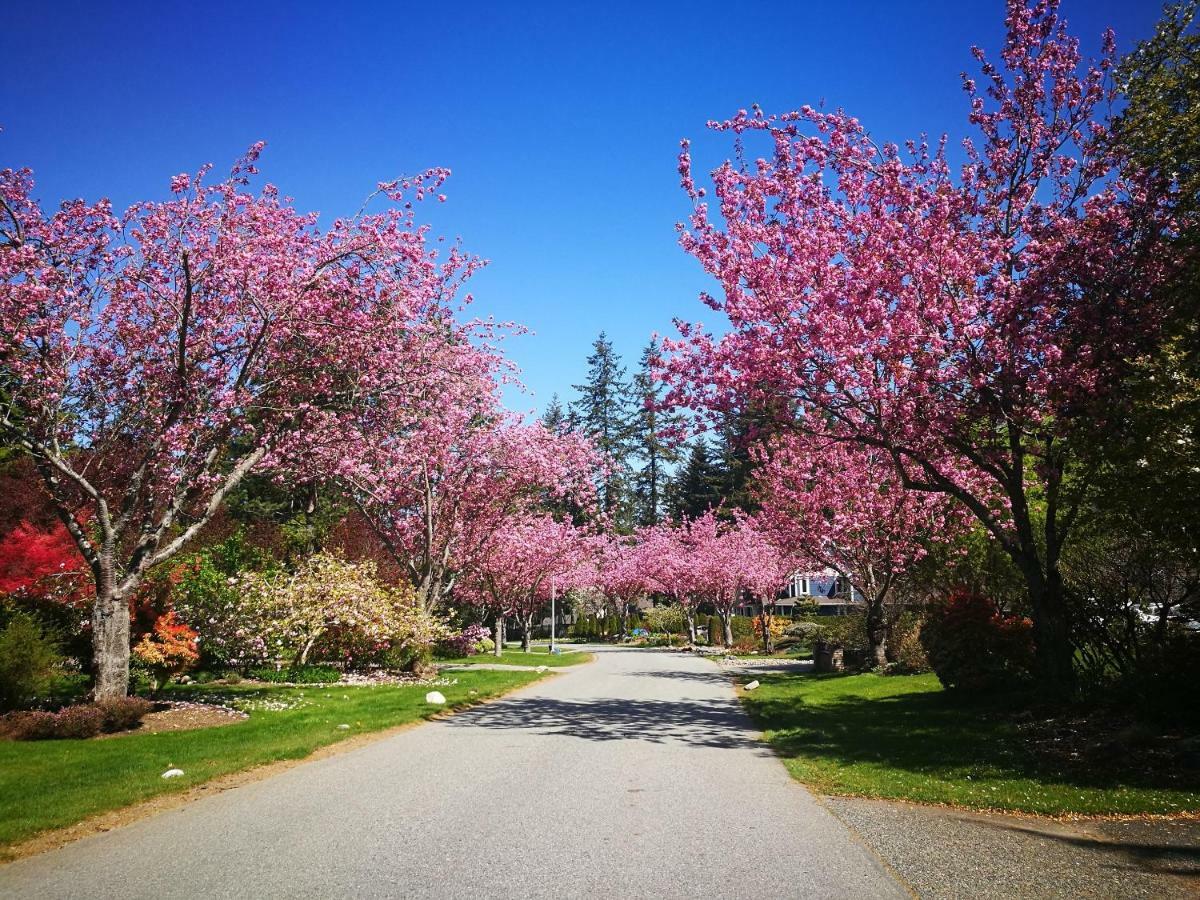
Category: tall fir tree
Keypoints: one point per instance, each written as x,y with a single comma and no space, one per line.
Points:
733,466
604,413
696,487
655,453
555,417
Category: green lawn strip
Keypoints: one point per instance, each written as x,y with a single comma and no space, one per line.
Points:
904,738
52,784
537,657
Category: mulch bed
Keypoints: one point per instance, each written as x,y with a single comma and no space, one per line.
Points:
1111,744
182,716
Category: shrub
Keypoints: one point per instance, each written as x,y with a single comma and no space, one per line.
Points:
666,620
29,660
973,647
716,631
297,675
208,595
777,624
611,627
168,650
848,632
743,627
804,632
911,658
33,725
465,643
123,713
78,722
75,722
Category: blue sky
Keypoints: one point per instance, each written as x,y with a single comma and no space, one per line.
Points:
561,121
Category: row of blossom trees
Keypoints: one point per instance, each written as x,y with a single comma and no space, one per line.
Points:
149,363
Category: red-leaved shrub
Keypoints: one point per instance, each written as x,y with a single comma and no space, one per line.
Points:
123,713
80,721
974,647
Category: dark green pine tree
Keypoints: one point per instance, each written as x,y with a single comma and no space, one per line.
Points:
652,447
604,413
555,417
697,486
733,465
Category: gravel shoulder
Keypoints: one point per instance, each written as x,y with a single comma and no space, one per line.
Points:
948,853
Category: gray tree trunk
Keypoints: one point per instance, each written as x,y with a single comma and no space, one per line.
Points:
110,634
727,623
499,650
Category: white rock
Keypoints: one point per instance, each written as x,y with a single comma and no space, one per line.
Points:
343,728
751,686
435,697
541,668
172,773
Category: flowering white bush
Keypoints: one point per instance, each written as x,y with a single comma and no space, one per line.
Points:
330,605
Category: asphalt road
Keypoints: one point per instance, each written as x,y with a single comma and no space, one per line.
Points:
634,776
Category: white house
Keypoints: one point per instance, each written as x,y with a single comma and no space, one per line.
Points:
827,589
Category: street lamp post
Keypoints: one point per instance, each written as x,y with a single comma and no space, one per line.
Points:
553,617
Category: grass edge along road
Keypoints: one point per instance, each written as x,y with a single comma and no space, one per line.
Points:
46,785
902,737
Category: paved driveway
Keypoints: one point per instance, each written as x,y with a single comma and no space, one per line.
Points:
634,776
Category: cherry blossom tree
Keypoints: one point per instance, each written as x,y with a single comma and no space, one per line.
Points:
716,574
667,566
622,575
437,493
520,564
150,362
842,507
763,567
959,323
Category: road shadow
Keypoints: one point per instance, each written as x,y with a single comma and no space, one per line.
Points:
1157,857
715,677
692,723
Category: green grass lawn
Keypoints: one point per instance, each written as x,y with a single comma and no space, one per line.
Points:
538,656
51,784
904,738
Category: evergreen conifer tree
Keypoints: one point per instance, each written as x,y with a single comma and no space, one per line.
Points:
604,413
655,454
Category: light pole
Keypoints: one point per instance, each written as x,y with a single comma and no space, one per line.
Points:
552,616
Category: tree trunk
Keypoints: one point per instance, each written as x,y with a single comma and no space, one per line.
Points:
110,637
876,634
727,626
1053,649
691,625
527,633
765,622
624,621
499,649
302,659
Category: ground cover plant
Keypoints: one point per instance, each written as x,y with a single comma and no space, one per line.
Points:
906,738
52,784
